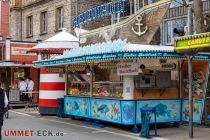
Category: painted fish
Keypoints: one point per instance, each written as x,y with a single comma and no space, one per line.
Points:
161,110
76,105
103,109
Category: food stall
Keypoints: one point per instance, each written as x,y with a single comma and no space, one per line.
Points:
112,80
125,80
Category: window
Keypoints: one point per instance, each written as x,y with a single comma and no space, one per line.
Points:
30,26
174,28
59,18
43,22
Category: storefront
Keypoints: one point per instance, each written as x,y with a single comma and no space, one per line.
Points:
17,63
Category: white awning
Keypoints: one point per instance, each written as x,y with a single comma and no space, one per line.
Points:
57,44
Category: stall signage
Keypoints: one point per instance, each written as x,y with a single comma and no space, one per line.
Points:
107,66
171,66
20,51
106,9
192,42
54,69
127,69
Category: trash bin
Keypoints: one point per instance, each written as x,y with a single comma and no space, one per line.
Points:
60,110
146,113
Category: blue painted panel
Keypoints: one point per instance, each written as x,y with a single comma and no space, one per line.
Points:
167,110
197,114
106,110
128,112
77,106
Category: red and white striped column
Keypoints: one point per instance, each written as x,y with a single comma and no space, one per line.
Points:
51,87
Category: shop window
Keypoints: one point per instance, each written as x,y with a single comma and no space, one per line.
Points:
174,28
43,22
29,26
59,18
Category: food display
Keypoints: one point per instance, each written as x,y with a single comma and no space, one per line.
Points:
111,89
77,85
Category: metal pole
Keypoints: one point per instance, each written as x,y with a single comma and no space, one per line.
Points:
190,97
190,32
180,79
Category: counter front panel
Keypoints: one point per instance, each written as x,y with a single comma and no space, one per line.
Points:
77,106
106,110
128,112
166,110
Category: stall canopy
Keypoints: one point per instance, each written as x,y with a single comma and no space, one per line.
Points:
56,44
114,50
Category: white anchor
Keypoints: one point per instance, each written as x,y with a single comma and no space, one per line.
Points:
139,24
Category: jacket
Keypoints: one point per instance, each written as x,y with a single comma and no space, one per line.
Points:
2,101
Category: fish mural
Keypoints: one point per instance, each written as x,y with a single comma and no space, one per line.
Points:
162,110
108,110
77,106
166,110
197,111
103,109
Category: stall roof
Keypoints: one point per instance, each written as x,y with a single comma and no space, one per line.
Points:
115,50
57,44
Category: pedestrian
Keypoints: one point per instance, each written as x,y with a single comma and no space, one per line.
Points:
30,88
3,105
22,88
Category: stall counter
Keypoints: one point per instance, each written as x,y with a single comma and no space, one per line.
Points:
127,112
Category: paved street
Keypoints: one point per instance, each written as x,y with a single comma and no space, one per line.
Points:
74,130
71,131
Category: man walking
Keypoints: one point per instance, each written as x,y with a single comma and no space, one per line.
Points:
3,105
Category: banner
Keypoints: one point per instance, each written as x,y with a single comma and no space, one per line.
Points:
21,51
127,69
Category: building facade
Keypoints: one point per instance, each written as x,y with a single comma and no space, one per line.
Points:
4,18
33,20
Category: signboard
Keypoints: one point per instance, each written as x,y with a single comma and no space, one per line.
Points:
106,9
21,51
171,66
54,69
192,42
127,69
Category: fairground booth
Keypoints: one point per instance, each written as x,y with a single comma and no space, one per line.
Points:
120,68
16,63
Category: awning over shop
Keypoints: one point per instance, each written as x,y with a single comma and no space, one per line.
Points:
57,44
116,50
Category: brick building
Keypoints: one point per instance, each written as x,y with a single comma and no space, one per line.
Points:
4,18
14,61
33,20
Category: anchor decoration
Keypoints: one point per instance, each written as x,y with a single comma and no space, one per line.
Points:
139,24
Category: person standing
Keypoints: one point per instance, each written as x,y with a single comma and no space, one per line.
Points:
30,88
3,105
22,87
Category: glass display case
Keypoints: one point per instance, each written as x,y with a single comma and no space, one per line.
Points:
78,85
112,89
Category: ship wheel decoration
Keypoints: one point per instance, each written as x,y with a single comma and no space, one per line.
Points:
139,24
